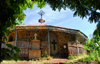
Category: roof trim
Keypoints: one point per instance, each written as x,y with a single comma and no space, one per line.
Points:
44,25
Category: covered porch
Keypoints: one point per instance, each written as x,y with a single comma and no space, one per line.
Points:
57,41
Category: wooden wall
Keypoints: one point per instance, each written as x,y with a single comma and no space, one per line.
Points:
26,46
72,48
22,45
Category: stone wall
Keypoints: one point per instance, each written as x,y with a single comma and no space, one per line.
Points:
27,35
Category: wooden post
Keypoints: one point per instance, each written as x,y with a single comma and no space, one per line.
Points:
16,37
77,44
49,42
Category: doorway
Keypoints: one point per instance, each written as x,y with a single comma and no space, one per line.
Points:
53,44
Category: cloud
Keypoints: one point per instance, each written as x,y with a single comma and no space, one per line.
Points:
50,16
63,18
53,16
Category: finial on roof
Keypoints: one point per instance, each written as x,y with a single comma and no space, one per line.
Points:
41,20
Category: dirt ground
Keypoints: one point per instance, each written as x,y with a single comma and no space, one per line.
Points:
53,61
89,62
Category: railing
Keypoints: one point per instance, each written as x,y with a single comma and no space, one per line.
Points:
72,48
25,46
22,45
44,47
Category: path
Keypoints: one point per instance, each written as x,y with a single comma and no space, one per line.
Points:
53,61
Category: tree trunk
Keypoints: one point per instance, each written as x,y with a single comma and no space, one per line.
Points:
0,41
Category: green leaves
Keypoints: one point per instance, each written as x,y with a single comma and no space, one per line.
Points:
15,57
93,50
98,42
96,33
11,14
13,48
9,52
17,49
9,45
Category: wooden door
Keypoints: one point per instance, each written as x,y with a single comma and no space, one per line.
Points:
64,51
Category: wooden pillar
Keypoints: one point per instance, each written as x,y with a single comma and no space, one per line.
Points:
16,37
77,44
49,41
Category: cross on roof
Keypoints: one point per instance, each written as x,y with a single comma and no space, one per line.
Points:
41,13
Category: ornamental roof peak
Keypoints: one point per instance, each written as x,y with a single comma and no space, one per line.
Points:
41,20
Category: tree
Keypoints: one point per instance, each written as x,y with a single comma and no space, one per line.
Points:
83,8
11,11
11,14
96,33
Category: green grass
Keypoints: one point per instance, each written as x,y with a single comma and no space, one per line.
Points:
77,56
73,58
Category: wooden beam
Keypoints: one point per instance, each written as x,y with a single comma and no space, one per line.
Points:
49,41
77,44
16,37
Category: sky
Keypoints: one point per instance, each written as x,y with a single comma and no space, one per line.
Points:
63,18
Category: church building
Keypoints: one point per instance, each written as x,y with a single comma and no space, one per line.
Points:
36,39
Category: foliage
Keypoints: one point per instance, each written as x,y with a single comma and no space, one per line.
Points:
94,56
92,45
11,14
77,56
83,8
11,11
45,58
93,49
68,62
96,32
46,53
93,52
9,52
72,57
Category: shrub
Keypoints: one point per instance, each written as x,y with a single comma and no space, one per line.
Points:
94,51
46,58
68,62
77,56
72,57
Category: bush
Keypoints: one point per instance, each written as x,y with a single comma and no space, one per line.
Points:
72,57
46,58
76,56
94,52
68,62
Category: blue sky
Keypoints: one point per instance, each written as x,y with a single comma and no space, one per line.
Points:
63,18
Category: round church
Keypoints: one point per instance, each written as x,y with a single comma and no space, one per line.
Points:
36,39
